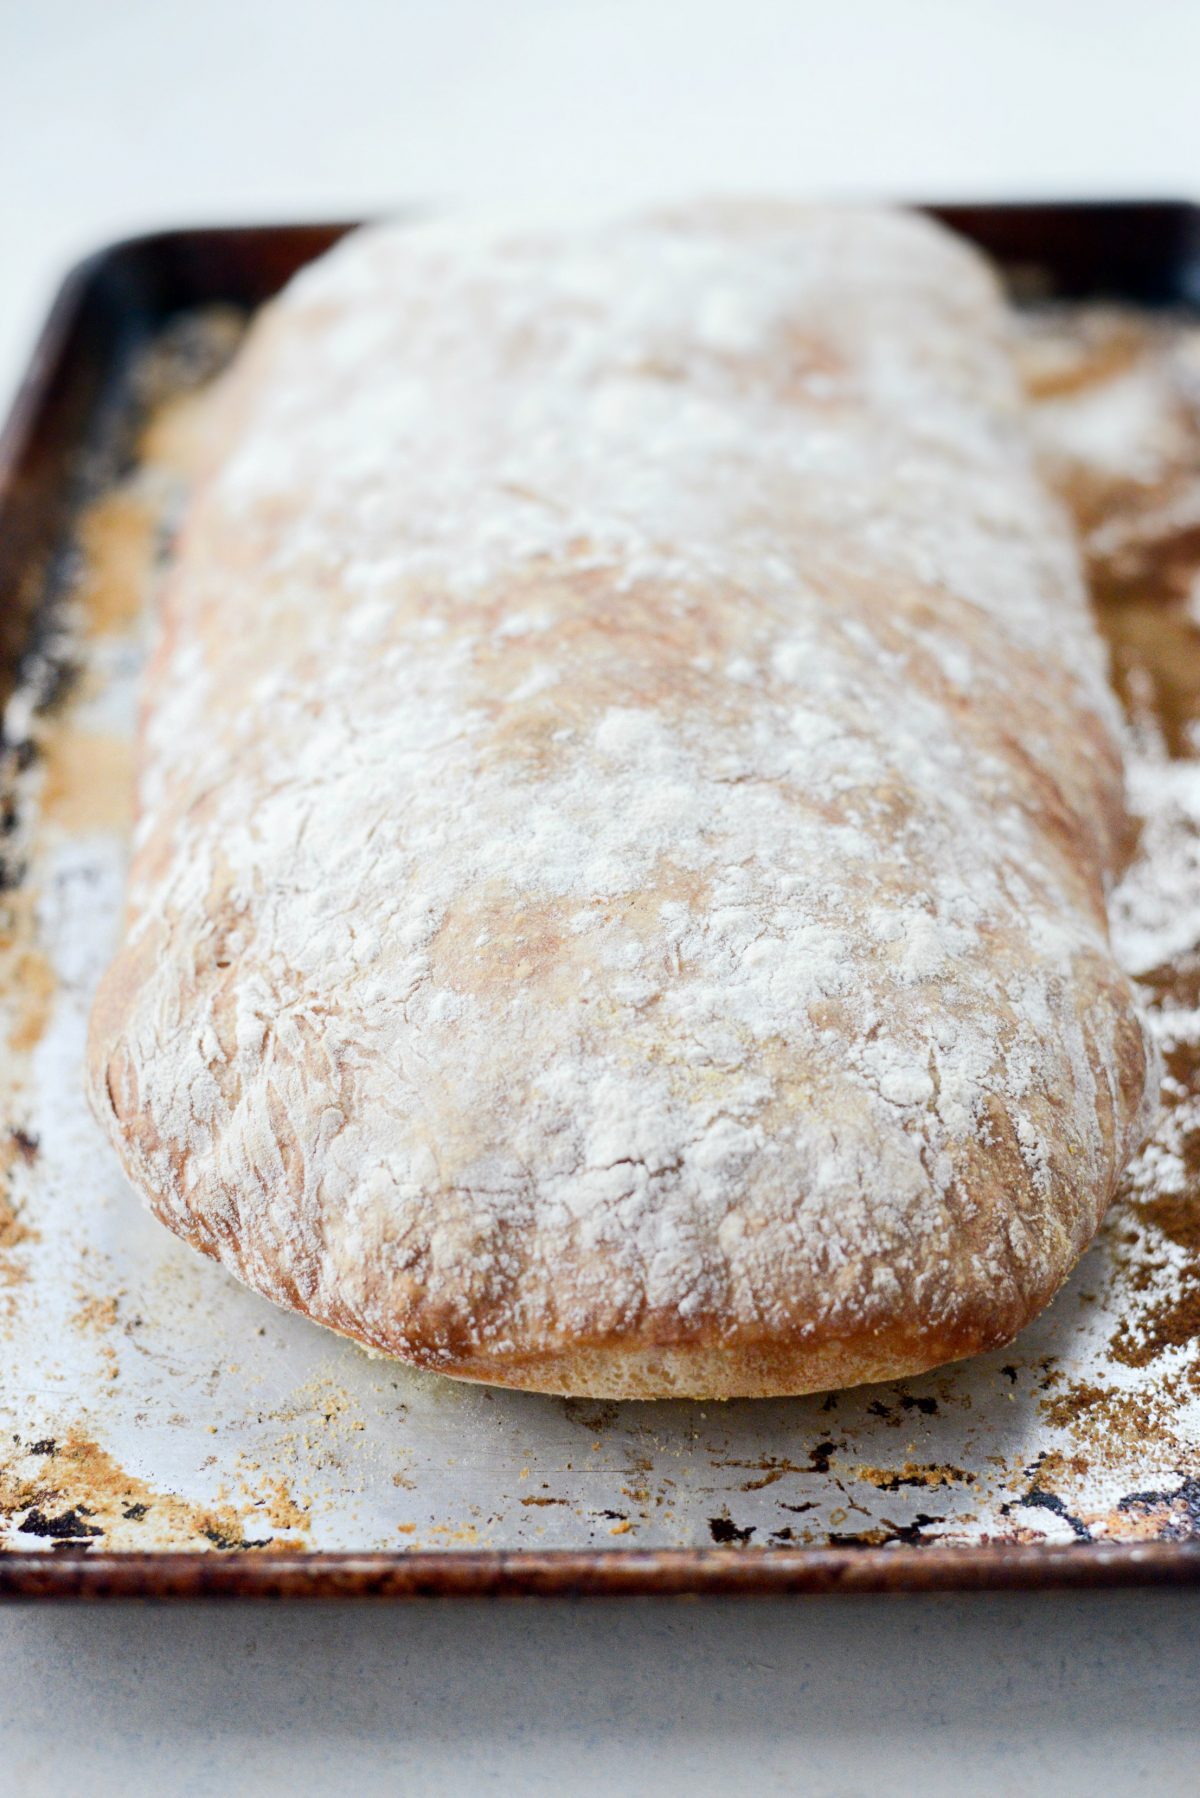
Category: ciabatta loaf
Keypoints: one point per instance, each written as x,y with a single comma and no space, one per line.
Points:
628,788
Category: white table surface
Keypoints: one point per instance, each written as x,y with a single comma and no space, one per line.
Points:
123,115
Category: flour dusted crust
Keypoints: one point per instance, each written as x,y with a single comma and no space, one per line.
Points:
628,789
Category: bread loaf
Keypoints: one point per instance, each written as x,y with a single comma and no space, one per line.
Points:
628,789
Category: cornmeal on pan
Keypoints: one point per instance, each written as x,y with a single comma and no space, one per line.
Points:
628,789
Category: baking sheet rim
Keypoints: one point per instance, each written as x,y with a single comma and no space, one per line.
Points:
601,1573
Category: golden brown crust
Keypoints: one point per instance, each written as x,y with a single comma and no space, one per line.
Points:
629,789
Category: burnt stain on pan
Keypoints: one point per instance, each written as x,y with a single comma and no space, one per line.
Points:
725,1531
68,1524
74,1489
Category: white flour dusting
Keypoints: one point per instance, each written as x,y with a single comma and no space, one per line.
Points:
628,797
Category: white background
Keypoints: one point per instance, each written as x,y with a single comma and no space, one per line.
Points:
124,115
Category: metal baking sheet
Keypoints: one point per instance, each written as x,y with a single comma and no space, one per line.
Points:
164,1431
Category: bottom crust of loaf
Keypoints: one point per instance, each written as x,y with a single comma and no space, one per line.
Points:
756,1366
702,1371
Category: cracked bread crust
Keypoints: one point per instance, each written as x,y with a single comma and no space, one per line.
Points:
628,790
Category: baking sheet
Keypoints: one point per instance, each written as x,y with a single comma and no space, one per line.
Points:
148,1403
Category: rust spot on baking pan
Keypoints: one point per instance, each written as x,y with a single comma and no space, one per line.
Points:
1176,1215
17,1148
773,1467
1103,347
99,1312
25,1144
724,1530
1170,1513
1170,1323
27,979
50,1486
118,538
1079,1400
69,1525
175,398
89,781
891,1479
13,1228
